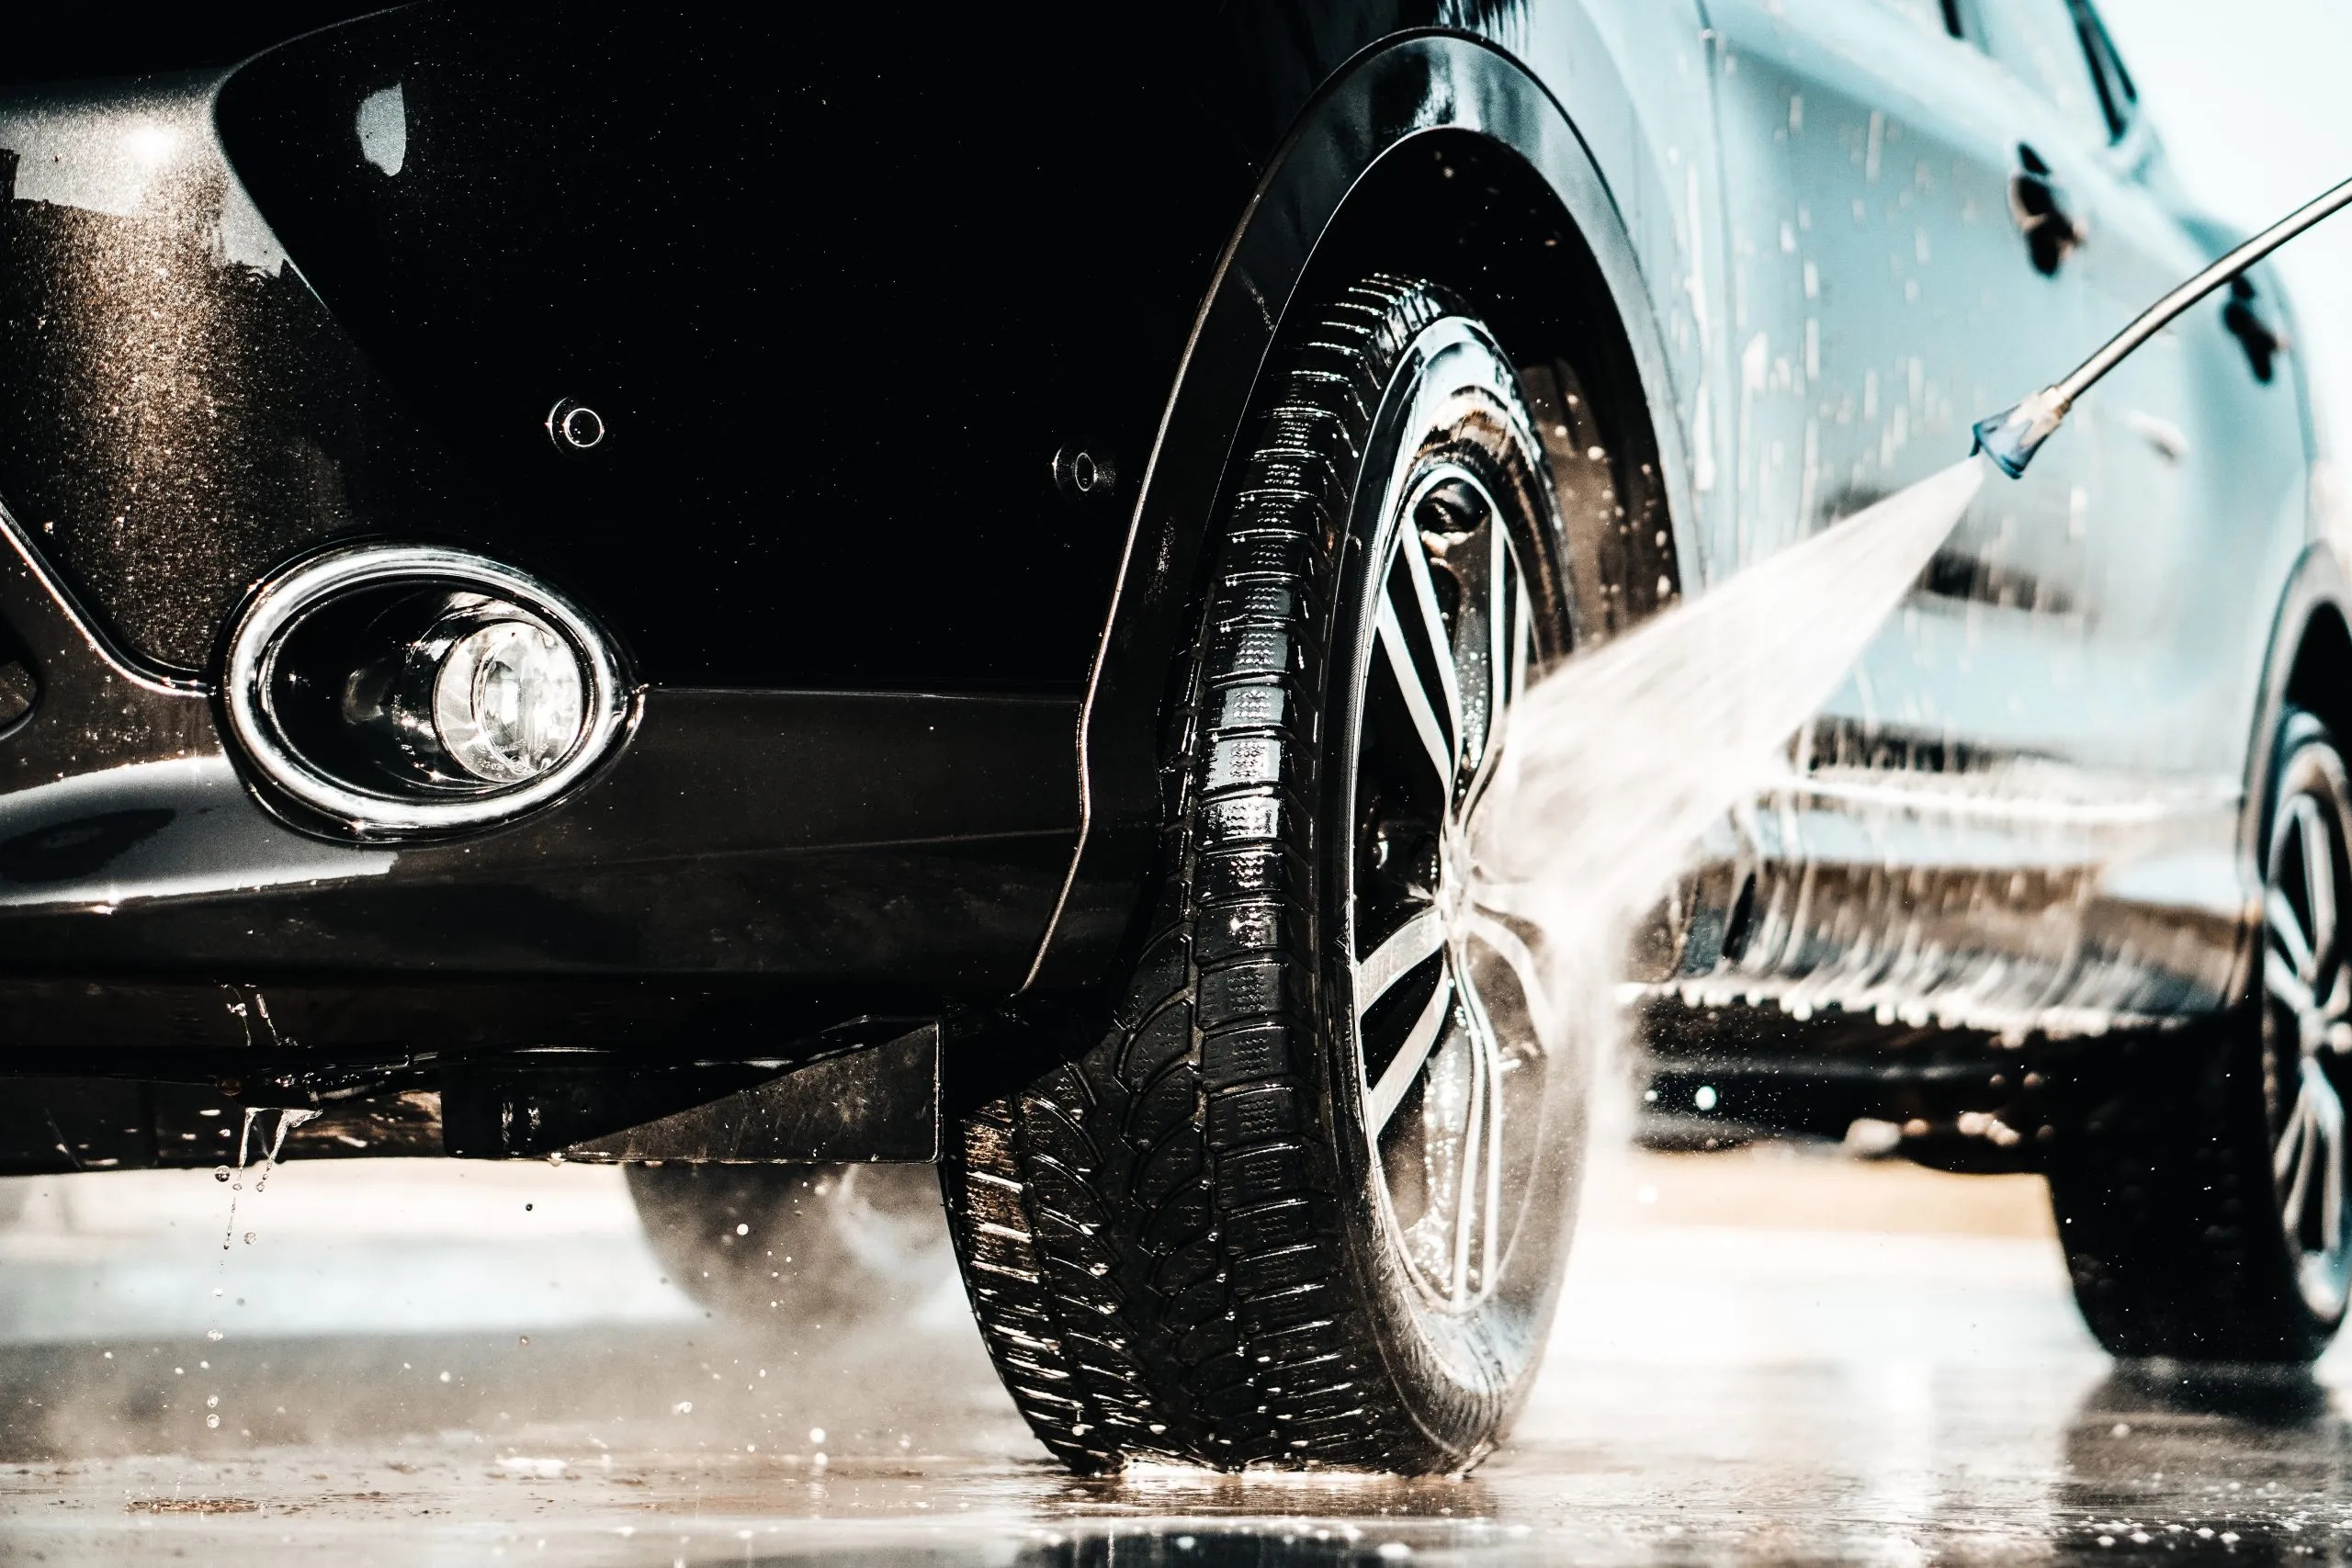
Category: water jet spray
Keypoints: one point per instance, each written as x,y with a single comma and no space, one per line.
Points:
2011,437
1623,756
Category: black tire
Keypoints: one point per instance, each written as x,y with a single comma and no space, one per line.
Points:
1196,1239
2173,1165
789,1246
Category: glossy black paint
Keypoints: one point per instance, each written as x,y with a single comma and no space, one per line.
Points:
894,838
1435,155
744,850
163,468
838,308
66,44
845,314
826,296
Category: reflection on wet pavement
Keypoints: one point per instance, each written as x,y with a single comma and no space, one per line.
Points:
1764,1356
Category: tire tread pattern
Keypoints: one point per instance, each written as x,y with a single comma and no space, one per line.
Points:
1150,1232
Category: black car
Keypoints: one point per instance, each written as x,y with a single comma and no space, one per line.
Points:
732,591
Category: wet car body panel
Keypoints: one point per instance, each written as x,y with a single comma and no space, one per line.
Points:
861,612
2031,807
842,303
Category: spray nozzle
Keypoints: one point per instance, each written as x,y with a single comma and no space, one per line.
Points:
2012,436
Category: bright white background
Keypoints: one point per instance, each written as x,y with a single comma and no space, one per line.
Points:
2254,100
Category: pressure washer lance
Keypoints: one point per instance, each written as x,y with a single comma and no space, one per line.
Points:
2012,436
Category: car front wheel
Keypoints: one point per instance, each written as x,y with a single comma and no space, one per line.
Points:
1304,1198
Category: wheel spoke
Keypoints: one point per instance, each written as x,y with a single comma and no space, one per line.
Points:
1522,638
1417,700
1491,765
1502,598
1410,944
2289,929
2283,983
2292,1161
2319,879
1508,945
1406,1065
1507,612
2327,1126
1469,1186
1483,1156
1416,568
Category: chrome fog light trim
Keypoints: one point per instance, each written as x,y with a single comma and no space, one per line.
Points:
524,698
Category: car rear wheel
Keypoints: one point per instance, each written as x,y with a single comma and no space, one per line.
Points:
2198,1177
1303,1199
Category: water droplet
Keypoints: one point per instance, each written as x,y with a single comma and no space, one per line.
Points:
221,1173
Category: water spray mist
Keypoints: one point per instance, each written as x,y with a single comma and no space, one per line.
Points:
1621,758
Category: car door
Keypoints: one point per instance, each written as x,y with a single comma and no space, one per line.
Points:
2192,449
2050,730
1892,285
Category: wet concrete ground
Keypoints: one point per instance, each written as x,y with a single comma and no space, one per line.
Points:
1764,1357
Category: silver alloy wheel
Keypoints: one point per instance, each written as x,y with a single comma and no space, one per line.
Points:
2307,1020
1449,1016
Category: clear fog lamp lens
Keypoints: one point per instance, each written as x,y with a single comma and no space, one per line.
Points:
509,701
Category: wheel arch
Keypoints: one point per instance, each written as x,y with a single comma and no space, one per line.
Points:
1531,231
2309,666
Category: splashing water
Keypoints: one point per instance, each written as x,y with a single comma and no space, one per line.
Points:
1620,759
285,1122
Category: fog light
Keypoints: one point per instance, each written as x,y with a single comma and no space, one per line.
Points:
507,703
409,688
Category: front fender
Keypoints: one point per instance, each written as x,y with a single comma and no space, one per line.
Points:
1383,102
